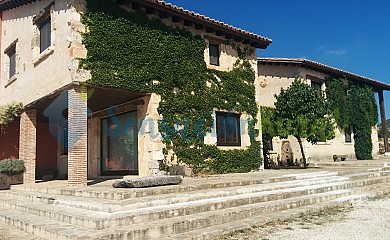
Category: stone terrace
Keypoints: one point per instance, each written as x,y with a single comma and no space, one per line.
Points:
199,208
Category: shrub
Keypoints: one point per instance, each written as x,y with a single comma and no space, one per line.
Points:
12,166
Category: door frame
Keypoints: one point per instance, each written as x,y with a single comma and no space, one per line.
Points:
102,158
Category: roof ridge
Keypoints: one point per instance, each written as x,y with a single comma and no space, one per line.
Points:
325,67
195,14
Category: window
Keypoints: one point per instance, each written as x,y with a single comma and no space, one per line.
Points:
45,34
228,129
214,54
348,134
317,87
12,62
10,71
316,84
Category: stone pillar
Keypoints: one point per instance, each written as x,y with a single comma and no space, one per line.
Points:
383,120
77,137
28,143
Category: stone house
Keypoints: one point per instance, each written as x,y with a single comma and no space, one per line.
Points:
278,73
61,127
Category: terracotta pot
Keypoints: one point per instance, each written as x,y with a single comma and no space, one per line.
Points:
6,181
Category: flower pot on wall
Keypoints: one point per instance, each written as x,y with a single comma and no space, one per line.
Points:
5,181
11,172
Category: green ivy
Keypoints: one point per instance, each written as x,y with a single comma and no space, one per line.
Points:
127,50
9,113
354,105
363,116
12,166
268,131
336,94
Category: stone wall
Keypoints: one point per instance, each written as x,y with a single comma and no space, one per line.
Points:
228,55
39,74
272,78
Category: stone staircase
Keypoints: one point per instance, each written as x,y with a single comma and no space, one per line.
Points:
194,210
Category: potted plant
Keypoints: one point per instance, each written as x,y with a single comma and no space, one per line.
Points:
11,172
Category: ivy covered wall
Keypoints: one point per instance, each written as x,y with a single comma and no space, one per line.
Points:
127,50
351,104
354,105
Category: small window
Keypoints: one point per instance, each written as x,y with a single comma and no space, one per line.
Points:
316,84
12,61
45,34
228,129
348,134
214,54
317,87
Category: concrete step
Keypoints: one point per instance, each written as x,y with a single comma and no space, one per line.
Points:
11,233
52,229
214,182
96,219
105,205
170,211
214,232
29,193
100,220
355,163
200,221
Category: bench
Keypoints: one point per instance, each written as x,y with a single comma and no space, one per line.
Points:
338,158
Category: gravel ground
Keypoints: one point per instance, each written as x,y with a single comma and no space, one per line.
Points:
369,220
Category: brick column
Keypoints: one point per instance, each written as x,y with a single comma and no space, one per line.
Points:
77,137
28,143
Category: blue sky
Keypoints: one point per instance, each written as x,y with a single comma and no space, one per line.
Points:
350,35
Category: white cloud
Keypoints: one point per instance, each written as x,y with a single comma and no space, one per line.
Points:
336,52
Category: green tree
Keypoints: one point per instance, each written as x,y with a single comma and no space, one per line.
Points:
303,113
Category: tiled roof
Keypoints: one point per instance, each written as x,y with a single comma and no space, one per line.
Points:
309,64
162,6
210,20
9,4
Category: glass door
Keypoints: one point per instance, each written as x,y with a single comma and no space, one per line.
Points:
120,144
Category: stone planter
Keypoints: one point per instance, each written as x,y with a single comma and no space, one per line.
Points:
6,181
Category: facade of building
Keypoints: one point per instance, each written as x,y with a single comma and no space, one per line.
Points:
278,73
62,127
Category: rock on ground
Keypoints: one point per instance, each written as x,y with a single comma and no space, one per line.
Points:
148,182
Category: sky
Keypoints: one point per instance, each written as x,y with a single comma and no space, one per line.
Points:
350,35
